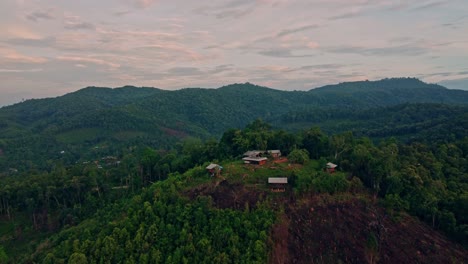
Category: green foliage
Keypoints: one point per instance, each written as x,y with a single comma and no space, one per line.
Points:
139,205
395,202
330,183
77,258
36,131
299,156
3,255
303,181
163,225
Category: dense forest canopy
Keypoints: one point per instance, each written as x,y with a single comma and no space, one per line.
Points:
88,179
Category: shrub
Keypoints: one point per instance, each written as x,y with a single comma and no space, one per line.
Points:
299,156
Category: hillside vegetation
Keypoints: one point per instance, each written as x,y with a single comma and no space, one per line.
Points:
88,179
159,206
69,127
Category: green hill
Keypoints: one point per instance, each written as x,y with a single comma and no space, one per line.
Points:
383,203
35,131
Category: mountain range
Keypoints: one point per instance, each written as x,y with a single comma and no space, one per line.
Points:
41,129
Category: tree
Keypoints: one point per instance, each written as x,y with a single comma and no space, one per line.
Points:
299,156
148,160
258,125
77,258
3,255
315,142
341,143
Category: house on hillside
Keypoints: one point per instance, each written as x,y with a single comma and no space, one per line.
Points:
253,153
214,169
254,157
274,153
277,184
255,160
330,167
258,156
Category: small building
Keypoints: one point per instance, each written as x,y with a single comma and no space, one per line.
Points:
277,184
255,160
213,169
331,167
274,153
253,153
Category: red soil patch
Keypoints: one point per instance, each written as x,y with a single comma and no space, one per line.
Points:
339,231
281,160
325,229
279,238
227,195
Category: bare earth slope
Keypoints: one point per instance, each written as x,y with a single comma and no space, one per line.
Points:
327,230
340,228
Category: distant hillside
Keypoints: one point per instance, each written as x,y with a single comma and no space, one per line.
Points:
406,121
76,122
388,92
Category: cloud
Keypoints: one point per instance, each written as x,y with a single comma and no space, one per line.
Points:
75,23
443,74
352,14
221,68
13,56
296,30
122,13
19,70
18,31
319,67
32,42
40,15
82,60
402,50
233,13
170,52
429,5
143,3
283,53
461,83
231,10
194,71
80,25
184,71
236,3
455,23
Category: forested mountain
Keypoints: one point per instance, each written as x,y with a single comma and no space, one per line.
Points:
36,131
160,206
118,175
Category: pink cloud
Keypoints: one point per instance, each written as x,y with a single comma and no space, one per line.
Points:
81,60
312,45
11,55
18,31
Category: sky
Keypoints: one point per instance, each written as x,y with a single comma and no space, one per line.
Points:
52,47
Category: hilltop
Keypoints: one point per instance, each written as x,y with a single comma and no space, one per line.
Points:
235,217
